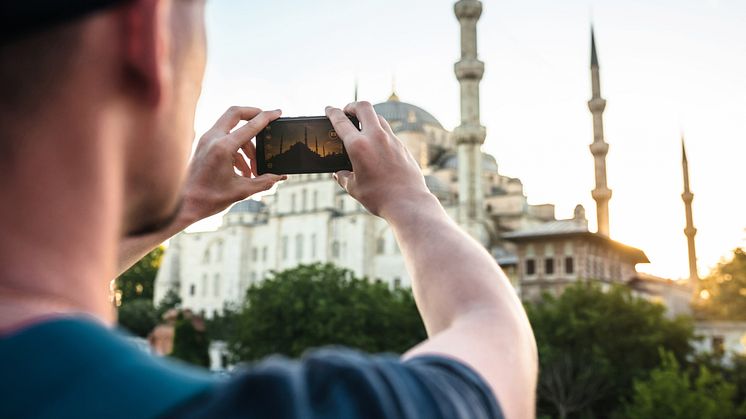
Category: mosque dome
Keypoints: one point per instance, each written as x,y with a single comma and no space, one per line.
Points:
404,116
450,161
437,187
247,206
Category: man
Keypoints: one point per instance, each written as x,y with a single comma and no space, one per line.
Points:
97,101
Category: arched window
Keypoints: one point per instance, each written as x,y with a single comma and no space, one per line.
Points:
206,258
204,285
335,249
299,247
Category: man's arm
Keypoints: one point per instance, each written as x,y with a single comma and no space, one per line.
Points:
469,308
212,183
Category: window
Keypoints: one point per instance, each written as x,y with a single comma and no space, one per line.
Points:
253,278
718,345
220,251
313,246
315,198
264,254
192,290
397,282
216,286
299,247
335,249
381,246
569,265
303,199
292,203
204,285
530,267
284,247
206,258
254,253
549,266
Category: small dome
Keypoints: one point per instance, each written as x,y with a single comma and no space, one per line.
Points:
404,116
450,161
247,206
436,186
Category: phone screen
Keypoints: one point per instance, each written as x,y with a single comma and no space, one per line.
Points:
301,145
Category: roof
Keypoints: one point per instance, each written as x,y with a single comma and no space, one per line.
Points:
247,206
450,161
404,116
571,229
594,55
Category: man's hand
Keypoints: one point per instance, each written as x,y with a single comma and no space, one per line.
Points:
385,178
212,182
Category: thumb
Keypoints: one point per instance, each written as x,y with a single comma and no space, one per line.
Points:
345,178
250,186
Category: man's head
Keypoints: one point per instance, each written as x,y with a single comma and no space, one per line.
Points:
133,65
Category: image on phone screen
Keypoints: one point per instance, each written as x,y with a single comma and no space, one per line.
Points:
301,145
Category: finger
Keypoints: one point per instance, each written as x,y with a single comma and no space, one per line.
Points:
345,179
250,150
365,113
386,127
265,182
255,125
342,124
239,162
233,116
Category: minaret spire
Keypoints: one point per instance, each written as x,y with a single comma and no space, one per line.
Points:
601,194
470,134
689,231
305,135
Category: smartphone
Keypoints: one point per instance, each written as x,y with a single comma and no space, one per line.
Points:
289,146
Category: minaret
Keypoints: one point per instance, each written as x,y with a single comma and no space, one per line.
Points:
599,148
282,140
690,231
470,134
317,145
305,135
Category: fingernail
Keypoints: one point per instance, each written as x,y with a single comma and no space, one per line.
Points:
334,175
328,107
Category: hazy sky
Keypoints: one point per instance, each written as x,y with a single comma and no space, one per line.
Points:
666,66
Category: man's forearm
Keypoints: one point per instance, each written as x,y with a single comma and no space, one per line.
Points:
452,274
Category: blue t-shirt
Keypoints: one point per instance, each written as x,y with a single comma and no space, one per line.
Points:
77,368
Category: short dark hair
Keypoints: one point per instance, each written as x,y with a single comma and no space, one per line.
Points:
32,68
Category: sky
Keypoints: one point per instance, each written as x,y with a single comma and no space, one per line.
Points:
667,67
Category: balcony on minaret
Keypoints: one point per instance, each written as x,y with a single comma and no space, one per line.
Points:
690,231
469,69
469,134
599,148
688,197
468,9
602,194
597,104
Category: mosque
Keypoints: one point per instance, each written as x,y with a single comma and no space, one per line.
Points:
311,219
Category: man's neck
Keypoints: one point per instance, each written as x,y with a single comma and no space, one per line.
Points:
62,203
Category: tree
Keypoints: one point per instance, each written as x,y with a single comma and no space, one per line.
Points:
594,344
138,316
169,301
316,305
190,340
673,393
724,290
137,281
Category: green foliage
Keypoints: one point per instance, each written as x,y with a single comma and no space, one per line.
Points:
672,393
190,343
137,281
223,325
138,316
316,305
733,371
594,344
725,289
169,301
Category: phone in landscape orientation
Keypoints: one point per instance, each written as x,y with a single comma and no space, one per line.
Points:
290,146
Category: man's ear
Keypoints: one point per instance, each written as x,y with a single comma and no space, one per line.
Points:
146,38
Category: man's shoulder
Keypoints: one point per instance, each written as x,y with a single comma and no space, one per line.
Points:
340,382
81,368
